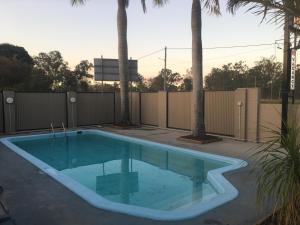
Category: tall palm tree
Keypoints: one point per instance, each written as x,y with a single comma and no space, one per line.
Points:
123,52
213,6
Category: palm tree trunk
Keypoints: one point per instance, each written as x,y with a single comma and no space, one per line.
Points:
198,127
123,61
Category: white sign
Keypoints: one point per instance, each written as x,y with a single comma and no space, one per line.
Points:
293,69
108,69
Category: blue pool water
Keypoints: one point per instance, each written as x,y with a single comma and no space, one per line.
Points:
155,180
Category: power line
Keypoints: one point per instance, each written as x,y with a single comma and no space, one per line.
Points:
217,47
237,54
225,56
152,53
233,46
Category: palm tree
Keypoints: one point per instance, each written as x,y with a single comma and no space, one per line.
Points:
198,126
123,52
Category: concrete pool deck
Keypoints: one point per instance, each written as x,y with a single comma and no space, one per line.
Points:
34,198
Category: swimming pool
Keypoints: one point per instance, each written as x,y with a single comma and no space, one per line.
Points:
130,175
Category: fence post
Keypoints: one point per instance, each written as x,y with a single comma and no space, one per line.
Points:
253,107
72,109
140,108
9,111
114,107
117,108
136,109
240,113
162,109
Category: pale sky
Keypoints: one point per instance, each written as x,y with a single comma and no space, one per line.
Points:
89,31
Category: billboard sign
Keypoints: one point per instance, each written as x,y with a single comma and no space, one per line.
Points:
108,69
293,69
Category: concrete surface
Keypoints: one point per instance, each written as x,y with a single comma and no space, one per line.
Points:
36,199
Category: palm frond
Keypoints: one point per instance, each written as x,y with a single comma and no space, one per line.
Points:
278,174
143,2
155,3
277,8
213,6
78,2
126,2
158,3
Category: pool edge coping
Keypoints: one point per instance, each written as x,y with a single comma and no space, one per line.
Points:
227,191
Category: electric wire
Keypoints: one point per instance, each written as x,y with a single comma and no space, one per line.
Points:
277,42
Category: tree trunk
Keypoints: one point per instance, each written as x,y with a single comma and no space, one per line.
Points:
123,61
198,127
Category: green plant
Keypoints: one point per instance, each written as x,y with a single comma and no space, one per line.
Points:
278,174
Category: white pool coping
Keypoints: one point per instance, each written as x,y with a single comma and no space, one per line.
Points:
226,191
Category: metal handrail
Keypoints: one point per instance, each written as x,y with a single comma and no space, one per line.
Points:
52,128
63,126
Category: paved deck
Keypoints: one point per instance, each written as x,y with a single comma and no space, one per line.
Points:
34,198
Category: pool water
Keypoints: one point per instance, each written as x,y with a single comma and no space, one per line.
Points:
127,172
130,172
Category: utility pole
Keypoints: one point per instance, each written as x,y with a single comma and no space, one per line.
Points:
130,82
295,47
165,70
271,89
102,74
288,22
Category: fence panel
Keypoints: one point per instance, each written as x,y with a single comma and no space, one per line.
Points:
179,110
149,109
134,107
39,110
270,119
219,112
95,108
117,107
1,113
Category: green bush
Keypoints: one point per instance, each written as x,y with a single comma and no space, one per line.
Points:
278,174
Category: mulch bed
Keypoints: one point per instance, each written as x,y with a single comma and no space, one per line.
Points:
200,140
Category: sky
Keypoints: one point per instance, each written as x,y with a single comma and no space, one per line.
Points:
89,31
